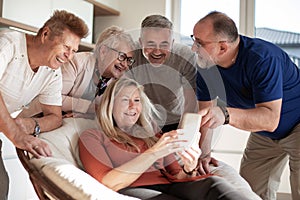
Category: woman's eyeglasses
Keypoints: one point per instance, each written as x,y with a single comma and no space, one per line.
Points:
122,57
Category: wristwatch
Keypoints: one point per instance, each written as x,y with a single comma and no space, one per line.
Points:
37,129
226,114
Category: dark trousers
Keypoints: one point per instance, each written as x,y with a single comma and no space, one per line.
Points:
4,180
211,188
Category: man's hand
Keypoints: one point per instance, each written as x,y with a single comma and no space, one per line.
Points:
212,117
25,124
79,115
204,163
32,144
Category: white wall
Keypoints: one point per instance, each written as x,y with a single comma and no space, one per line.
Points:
132,12
36,12
112,4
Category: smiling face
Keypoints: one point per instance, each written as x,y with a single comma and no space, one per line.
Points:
114,68
127,107
59,49
156,44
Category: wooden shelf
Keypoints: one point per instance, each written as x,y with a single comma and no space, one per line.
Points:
10,23
84,46
99,10
102,10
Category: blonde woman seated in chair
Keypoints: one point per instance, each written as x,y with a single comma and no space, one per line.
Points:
128,156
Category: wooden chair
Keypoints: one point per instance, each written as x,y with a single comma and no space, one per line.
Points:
61,176
43,186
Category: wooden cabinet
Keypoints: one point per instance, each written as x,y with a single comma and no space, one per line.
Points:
20,14
101,9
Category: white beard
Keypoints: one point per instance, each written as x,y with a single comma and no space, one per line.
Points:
205,63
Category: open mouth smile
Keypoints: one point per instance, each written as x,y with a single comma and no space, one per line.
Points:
131,114
60,60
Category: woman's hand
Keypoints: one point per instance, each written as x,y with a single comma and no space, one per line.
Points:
190,155
166,145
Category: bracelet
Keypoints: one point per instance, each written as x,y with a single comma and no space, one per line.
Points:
190,173
226,114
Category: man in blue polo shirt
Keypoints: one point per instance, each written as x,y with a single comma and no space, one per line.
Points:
261,87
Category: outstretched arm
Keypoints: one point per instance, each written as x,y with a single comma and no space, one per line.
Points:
18,136
125,174
51,119
264,117
205,141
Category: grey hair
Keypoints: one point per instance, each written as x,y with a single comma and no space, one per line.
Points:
156,21
111,37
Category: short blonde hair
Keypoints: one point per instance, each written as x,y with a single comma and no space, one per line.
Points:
146,119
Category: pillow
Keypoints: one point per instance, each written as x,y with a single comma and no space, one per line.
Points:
63,140
74,181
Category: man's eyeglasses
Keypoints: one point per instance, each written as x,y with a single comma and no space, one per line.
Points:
122,57
199,45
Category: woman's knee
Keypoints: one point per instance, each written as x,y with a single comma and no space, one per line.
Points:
221,189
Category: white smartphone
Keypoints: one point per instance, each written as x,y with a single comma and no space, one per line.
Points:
190,125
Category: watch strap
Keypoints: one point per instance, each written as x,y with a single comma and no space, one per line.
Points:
226,114
37,129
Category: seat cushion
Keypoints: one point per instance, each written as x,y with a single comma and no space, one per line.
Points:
75,182
63,141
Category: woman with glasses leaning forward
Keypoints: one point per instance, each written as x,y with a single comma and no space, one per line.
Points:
85,77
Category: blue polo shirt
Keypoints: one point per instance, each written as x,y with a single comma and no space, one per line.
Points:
262,72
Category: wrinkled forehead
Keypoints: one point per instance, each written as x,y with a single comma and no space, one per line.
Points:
68,39
155,33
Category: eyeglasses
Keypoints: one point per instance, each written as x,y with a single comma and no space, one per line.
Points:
122,57
199,45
